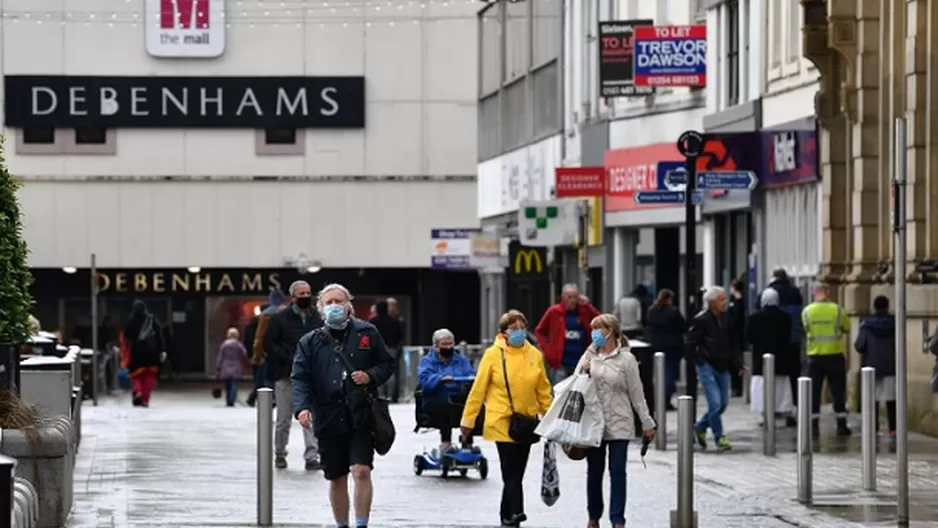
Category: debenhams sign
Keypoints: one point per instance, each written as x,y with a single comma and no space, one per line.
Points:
183,102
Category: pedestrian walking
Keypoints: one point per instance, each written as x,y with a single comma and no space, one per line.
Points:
876,343
825,326
614,371
630,311
280,338
665,329
332,365
563,332
511,382
254,343
767,331
392,332
143,350
791,302
230,365
709,344
736,311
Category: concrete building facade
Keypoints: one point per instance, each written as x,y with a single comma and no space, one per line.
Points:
206,154
875,64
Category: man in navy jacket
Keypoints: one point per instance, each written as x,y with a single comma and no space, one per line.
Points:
331,401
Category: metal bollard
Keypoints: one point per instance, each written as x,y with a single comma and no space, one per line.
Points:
747,377
7,474
805,449
265,456
768,404
868,429
661,403
685,516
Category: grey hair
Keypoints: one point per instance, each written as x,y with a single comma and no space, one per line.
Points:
712,293
570,286
769,297
295,285
391,300
332,287
442,334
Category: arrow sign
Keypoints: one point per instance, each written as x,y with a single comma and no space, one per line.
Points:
739,180
666,197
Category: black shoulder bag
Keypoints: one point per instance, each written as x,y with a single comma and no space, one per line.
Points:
520,427
382,427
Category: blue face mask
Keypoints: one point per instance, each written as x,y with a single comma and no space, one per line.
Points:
516,337
599,339
334,316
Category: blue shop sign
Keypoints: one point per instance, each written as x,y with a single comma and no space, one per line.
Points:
789,158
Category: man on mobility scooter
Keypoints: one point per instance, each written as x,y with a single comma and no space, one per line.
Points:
445,377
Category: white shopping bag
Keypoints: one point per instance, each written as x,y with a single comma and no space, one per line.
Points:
576,416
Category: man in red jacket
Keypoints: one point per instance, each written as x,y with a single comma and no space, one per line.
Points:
564,330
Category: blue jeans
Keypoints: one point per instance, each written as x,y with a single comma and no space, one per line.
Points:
716,387
595,465
231,391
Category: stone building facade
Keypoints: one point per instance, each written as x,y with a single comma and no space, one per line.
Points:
874,64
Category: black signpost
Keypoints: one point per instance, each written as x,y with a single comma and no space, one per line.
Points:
690,145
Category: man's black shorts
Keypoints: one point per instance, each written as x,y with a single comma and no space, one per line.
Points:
339,453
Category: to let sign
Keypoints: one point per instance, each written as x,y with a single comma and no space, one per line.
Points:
671,56
574,182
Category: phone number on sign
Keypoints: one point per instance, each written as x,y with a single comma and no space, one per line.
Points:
675,80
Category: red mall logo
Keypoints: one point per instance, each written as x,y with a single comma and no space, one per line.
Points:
184,14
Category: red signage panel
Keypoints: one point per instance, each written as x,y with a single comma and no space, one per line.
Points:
635,169
579,182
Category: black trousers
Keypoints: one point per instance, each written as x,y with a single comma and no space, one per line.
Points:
690,376
797,366
834,370
513,459
441,416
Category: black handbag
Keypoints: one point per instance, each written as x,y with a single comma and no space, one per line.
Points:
520,427
382,428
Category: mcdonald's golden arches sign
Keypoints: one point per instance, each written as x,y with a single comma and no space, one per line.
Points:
527,262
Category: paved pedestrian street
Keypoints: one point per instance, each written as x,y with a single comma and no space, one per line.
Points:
190,461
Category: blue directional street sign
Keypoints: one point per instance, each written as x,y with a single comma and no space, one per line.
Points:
666,197
672,176
745,180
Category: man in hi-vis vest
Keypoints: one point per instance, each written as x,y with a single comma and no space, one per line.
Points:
825,326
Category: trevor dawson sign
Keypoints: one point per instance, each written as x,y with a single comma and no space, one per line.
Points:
184,102
671,56
185,28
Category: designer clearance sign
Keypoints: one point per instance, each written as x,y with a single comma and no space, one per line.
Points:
185,28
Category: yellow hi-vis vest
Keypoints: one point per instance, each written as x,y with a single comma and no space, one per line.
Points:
825,325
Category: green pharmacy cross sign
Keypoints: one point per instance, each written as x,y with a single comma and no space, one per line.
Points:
548,223
540,221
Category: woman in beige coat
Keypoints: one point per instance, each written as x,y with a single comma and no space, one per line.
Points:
614,371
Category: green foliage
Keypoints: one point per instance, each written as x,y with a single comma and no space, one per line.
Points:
15,278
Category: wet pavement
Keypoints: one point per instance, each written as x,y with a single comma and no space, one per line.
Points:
190,461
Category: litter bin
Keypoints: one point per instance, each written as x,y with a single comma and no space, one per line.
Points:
646,371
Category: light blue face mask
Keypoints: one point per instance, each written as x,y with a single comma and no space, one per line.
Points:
599,339
334,315
516,337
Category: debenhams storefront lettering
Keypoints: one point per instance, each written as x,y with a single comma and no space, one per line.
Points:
116,102
173,282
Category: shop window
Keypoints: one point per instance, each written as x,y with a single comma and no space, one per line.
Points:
89,140
90,136
38,135
39,141
280,141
